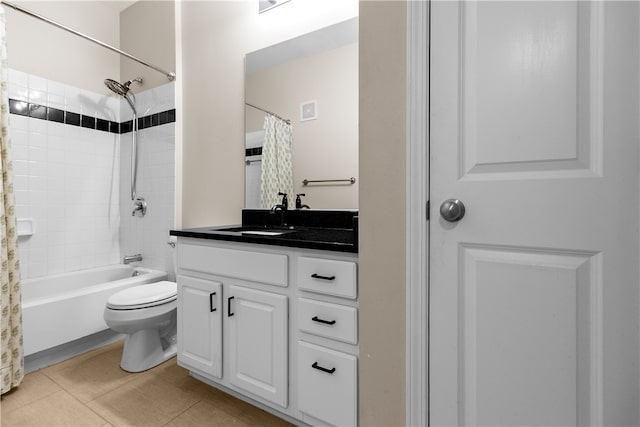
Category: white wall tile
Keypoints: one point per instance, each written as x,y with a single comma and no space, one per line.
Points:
18,77
56,130
56,101
75,182
56,88
18,123
18,92
38,84
37,126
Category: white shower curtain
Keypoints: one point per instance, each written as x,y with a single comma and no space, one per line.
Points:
12,366
277,170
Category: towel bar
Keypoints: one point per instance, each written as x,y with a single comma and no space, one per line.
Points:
351,180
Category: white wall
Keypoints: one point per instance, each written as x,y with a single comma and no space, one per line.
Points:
215,38
147,30
39,48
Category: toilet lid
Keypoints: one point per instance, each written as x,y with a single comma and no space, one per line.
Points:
142,296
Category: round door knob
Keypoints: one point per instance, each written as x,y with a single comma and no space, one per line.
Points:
452,210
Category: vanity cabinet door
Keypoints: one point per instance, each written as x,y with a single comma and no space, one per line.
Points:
256,324
200,325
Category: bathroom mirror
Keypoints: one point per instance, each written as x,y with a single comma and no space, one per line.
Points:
311,81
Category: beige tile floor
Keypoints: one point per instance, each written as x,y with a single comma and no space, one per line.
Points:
92,390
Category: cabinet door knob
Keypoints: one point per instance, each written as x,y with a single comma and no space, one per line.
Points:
320,368
229,313
326,322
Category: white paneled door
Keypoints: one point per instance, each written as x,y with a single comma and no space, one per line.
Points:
534,291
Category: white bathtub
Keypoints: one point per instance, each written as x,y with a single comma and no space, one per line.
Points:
64,307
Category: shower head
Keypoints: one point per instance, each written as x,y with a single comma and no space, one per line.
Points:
120,88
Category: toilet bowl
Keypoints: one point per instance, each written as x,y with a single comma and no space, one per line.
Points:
147,315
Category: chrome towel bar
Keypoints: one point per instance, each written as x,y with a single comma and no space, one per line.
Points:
305,182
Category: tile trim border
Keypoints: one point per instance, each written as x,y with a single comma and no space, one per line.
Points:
42,112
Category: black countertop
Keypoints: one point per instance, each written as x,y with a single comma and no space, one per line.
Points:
299,230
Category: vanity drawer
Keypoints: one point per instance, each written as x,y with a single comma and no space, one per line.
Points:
327,276
329,320
327,384
247,265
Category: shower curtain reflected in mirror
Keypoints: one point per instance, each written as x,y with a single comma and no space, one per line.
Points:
277,169
12,361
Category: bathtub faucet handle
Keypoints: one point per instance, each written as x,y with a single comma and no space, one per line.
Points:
131,258
139,206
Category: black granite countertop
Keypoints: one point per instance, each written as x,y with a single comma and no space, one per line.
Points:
323,230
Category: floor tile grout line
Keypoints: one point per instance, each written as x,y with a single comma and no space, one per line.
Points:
31,402
60,378
68,394
98,352
91,409
74,395
185,410
86,406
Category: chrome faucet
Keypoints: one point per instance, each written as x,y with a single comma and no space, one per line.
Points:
128,259
139,205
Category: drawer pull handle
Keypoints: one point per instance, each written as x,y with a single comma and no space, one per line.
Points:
320,368
317,276
326,322
211,307
229,313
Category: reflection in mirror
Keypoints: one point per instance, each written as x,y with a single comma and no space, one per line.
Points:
312,82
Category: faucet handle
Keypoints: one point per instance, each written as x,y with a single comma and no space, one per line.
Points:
139,205
285,201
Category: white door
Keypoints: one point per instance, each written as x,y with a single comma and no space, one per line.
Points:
200,325
534,292
256,324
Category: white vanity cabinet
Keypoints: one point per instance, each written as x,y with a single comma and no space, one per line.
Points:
233,307
276,326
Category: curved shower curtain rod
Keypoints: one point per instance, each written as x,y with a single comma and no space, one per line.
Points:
268,112
169,74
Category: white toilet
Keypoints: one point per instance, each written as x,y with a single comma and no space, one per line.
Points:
147,315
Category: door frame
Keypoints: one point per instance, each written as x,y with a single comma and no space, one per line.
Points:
417,237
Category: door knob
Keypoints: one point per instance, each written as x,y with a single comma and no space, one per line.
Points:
452,210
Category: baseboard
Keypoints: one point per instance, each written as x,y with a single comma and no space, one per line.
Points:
60,353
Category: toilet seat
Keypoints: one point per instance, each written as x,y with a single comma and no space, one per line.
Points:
143,296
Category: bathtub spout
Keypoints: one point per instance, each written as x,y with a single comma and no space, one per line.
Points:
132,258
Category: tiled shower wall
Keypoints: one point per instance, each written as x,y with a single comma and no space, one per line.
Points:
68,176
149,235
